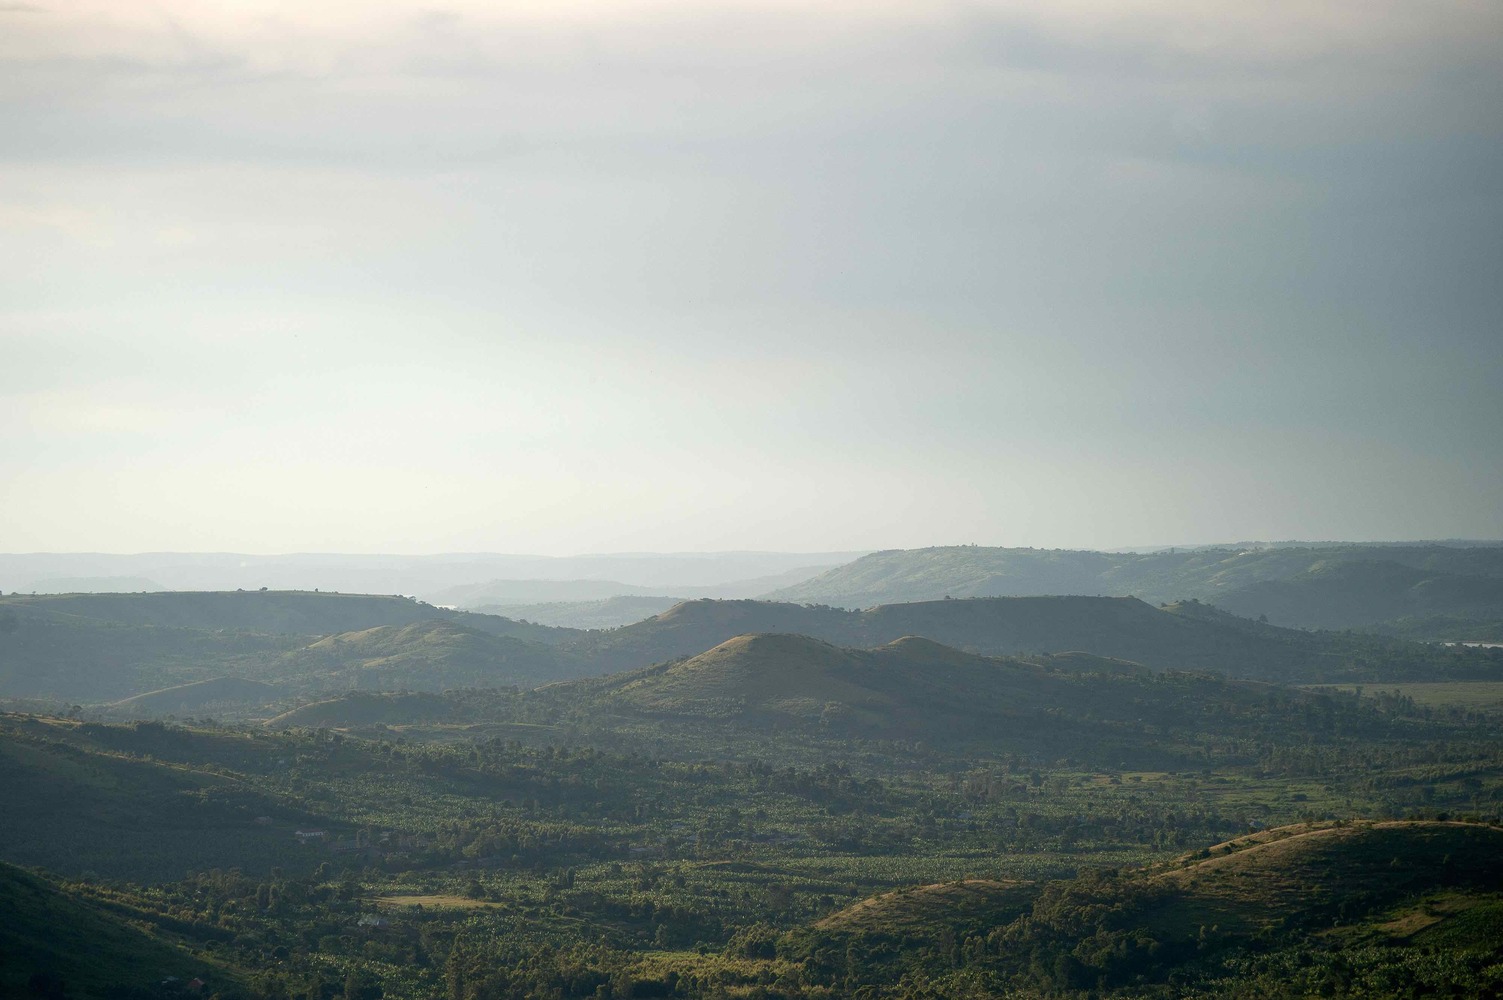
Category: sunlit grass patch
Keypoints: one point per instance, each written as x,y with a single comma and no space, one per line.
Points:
433,901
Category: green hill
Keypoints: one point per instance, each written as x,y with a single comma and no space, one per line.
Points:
1297,874
51,939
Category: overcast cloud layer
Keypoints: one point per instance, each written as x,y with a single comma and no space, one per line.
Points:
634,276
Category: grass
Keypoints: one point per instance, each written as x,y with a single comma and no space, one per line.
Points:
1477,696
433,901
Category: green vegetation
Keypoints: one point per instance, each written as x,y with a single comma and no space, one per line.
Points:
430,867
865,811
56,941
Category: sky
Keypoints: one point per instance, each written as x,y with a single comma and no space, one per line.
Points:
667,276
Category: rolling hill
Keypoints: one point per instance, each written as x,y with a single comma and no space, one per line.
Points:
1056,706
1187,637
52,650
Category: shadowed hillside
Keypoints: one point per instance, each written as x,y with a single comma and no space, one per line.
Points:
85,660
79,798
54,940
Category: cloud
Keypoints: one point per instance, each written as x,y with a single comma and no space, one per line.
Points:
854,251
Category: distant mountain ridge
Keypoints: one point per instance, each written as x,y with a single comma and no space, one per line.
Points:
1343,586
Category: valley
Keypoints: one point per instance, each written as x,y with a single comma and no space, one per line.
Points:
284,795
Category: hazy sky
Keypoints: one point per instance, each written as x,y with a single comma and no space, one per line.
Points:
582,276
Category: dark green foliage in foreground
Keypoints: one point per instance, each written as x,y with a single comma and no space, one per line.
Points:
55,944
495,869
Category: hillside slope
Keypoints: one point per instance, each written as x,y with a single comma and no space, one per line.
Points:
1246,907
72,659
105,799
53,939
102,648
428,656
1336,595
